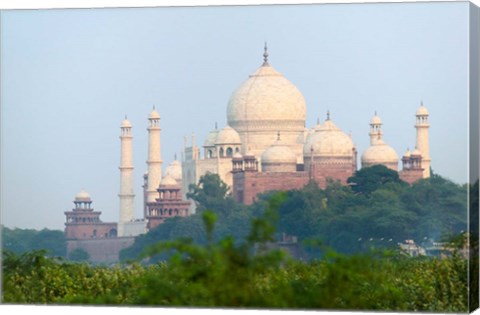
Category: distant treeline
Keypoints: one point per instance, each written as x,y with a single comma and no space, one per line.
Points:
21,241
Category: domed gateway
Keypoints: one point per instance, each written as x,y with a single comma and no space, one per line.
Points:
264,105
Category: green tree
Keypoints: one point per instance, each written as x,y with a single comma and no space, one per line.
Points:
79,255
368,179
213,194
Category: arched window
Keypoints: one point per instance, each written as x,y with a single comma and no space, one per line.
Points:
210,154
237,149
221,152
229,152
112,233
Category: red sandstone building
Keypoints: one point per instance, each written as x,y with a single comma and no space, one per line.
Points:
84,223
169,203
84,230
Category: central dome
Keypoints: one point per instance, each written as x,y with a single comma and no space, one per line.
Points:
266,96
264,105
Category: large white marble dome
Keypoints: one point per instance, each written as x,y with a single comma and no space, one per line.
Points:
263,105
266,95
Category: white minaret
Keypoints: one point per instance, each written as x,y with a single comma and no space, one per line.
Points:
154,161
422,126
375,130
126,194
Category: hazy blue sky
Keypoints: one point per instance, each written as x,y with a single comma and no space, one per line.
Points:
68,77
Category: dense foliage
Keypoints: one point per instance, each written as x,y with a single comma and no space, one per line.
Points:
225,274
376,214
25,240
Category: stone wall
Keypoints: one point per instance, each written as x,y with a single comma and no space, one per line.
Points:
412,175
101,251
247,185
90,230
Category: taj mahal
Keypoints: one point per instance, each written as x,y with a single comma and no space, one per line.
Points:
265,146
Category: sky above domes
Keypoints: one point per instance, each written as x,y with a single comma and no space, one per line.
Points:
69,77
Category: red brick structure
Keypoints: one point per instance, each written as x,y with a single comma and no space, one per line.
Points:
84,230
169,203
412,167
248,182
84,223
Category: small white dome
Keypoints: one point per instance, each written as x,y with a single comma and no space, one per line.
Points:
279,158
174,169
315,128
228,135
375,120
422,111
407,154
168,180
211,138
328,141
126,123
416,152
154,114
82,196
278,153
380,153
